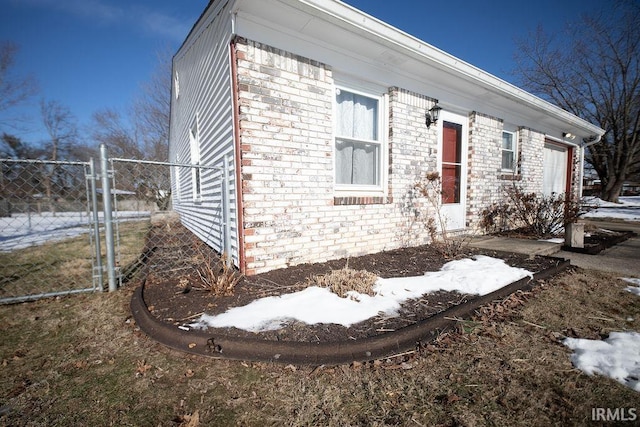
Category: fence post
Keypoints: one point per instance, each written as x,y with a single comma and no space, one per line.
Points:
108,219
96,223
227,212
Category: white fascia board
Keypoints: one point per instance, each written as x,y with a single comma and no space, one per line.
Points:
413,46
312,18
210,13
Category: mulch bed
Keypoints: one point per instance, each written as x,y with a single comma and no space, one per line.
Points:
598,240
173,288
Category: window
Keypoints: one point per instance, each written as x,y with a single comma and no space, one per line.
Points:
358,145
176,85
508,151
194,145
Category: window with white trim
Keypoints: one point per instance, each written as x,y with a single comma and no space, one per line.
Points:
176,85
358,141
509,151
194,145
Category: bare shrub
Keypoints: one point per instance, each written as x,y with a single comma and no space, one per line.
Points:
430,189
531,213
344,280
217,275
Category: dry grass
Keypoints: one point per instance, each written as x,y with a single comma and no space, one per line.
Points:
62,266
81,361
342,281
216,274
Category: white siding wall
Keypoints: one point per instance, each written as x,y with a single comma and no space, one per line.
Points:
202,66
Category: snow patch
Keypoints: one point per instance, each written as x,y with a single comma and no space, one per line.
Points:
627,209
23,230
633,289
617,357
478,275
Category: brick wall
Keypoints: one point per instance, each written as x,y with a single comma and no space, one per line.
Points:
484,179
531,157
414,153
291,214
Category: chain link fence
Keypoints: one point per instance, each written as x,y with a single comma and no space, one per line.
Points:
46,219
66,227
148,188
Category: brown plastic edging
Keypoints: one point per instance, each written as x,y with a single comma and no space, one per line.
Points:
596,249
321,353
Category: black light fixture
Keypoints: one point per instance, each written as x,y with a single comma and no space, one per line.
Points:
431,116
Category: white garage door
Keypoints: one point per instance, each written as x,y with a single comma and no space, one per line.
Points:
554,169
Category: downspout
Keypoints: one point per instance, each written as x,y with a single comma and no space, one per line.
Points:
583,147
238,149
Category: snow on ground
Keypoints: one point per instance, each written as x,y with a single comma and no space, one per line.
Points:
633,289
480,275
628,208
617,357
23,230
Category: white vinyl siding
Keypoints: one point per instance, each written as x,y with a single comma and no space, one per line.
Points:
202,88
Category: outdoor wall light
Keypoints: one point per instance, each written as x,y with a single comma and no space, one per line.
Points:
568,135
431,116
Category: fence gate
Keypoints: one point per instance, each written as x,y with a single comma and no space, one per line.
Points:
67,227
49,229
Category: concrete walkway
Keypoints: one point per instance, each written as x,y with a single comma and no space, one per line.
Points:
623,258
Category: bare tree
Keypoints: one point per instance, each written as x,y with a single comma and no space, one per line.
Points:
109,128
12,147
13,89
62,130
593,72
143,135
151,110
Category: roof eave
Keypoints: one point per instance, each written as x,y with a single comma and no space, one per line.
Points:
425,52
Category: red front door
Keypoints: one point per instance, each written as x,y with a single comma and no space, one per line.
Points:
451,162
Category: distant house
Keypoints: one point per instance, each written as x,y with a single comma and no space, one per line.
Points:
320,113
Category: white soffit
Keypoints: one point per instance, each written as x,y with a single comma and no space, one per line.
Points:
332,32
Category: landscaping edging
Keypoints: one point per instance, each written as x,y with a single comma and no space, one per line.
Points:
596,249
332,353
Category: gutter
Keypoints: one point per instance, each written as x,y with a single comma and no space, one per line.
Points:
349,17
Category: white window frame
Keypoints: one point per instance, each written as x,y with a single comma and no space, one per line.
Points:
513,151
381,96
176,85
196,172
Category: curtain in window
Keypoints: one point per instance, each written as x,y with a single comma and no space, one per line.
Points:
356,163
357,118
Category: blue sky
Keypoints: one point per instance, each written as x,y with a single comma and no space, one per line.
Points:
95,54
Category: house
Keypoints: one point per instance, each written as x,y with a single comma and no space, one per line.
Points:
311,121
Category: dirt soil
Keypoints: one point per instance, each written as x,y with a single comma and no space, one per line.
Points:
174,291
